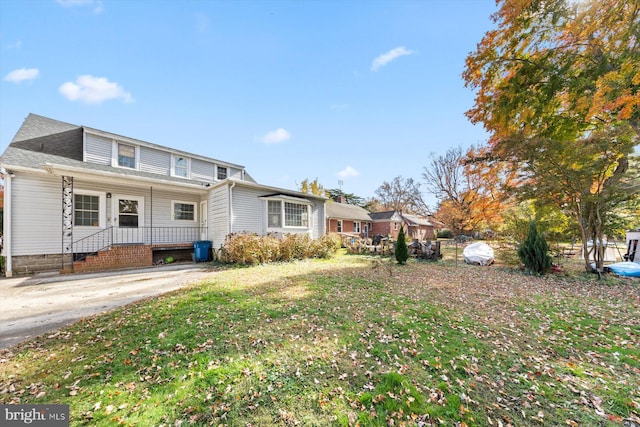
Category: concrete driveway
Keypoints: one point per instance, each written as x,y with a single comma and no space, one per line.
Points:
31,306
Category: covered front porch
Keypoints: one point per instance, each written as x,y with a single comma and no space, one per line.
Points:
110,227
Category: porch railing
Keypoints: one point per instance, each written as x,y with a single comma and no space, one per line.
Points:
135,235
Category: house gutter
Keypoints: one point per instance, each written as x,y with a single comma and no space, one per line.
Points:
233,184
6,238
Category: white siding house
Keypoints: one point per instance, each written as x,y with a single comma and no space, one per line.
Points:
73,193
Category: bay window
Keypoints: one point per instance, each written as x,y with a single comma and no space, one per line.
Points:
283,213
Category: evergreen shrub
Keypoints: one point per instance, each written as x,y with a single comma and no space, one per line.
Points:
401,251
534,252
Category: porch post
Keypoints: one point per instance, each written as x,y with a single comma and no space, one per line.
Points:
7,250
67,217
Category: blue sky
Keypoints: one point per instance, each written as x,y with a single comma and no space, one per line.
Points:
351,91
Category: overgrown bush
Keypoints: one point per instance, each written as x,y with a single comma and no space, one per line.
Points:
326,246
246,248
401,251
534,251
445,233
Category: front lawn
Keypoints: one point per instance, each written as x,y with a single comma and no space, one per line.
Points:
347,341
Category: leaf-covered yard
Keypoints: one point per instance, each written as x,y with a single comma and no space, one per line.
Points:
348,341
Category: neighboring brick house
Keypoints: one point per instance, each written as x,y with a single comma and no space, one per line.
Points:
348,219
419,227
388,223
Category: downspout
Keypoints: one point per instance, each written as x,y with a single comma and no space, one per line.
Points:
151,215
327,221
230,210
6,249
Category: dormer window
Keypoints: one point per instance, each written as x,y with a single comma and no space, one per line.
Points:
126,156
181,166
222,173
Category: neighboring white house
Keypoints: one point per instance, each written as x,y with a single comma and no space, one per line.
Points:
72,192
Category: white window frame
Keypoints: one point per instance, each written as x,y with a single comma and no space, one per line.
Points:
102,208
395,226
221,167
183,202
174,158
114,155
356,226
283,216
281,221
339,226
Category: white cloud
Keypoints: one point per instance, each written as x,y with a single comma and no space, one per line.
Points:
96,4
18,76
347,172
276,136
392,55
94,90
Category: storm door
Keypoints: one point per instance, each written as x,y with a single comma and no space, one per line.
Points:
128,214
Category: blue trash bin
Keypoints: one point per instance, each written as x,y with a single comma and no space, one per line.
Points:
201,250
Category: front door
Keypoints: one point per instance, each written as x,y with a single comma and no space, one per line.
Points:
128,219
203,220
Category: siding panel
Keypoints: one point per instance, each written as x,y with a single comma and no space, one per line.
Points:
202,170
248,210
218,215
98,150
155,161
235,173
36,215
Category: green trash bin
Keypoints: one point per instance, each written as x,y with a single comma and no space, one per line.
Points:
201,250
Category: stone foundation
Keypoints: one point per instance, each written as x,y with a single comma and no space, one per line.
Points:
29,264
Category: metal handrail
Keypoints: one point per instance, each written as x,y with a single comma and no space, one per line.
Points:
146,235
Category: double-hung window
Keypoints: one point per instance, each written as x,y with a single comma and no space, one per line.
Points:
126,156
356,226
222,173
180,166
274,208
339,229
89,209
183,211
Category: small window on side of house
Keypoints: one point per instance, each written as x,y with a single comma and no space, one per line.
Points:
339,226
180,166
274,208
126,156
183,211
222,173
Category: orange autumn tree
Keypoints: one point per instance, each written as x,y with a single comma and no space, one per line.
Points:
558,87
471,189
